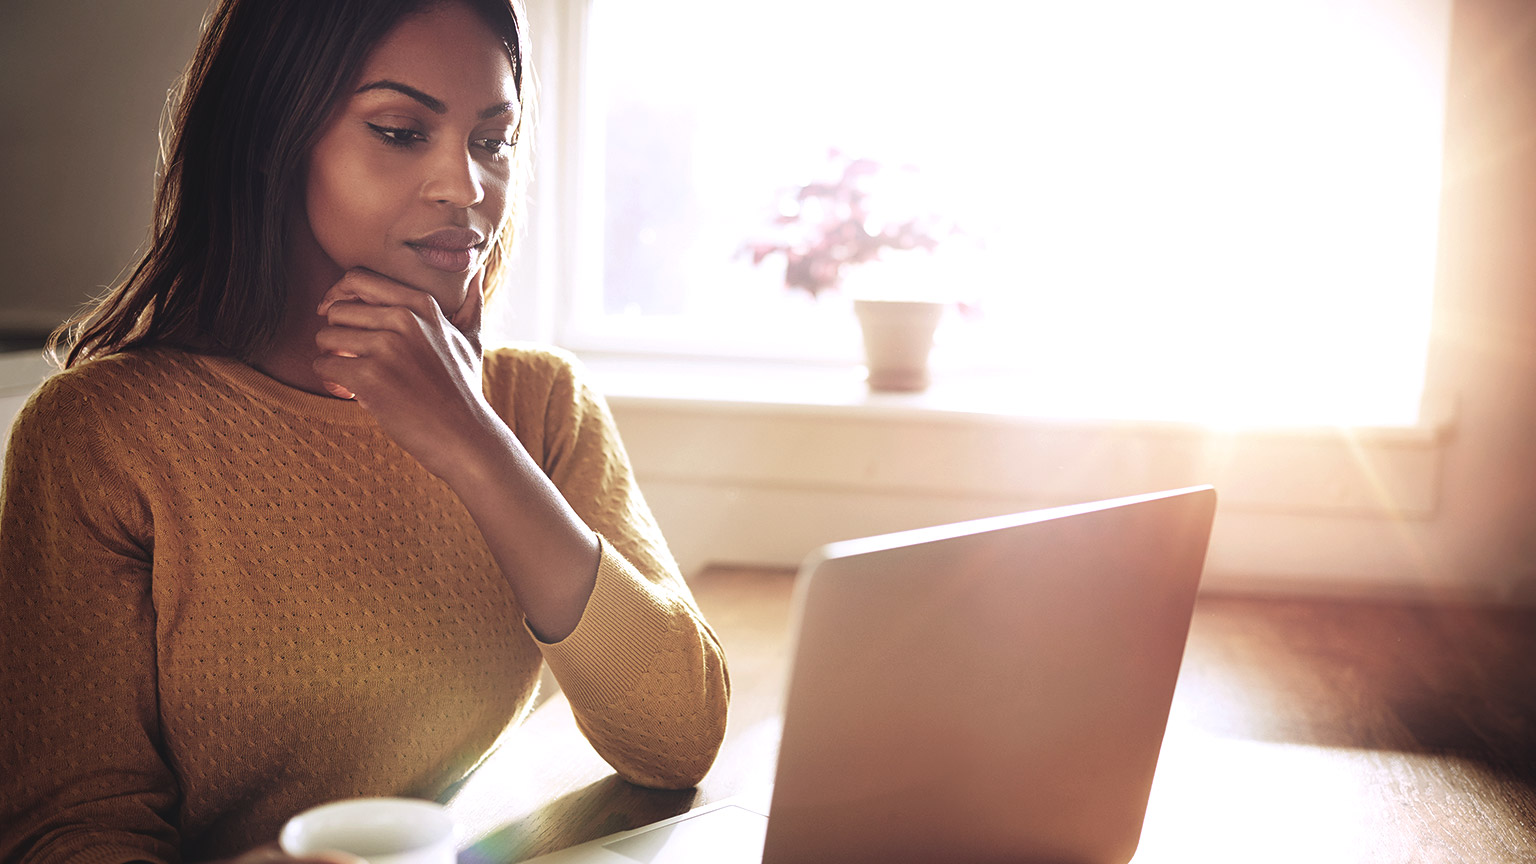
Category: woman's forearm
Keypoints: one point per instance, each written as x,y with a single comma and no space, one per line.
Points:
547,553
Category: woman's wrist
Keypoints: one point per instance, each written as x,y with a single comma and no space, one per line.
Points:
479,454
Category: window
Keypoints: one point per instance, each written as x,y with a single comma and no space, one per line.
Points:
1187,209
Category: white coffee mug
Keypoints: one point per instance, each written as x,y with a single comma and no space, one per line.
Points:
380,830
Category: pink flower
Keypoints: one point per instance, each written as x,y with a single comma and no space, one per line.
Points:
824,226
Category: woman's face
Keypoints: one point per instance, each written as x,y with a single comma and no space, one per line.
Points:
410,178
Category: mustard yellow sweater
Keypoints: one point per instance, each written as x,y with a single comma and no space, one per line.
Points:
223,600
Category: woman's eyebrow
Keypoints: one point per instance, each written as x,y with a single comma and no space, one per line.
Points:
498,109
433,104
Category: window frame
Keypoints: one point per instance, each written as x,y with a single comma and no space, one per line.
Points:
540,303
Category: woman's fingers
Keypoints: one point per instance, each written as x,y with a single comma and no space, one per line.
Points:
388,346
371,316
359,315
334,368
357,341
370,288
358,361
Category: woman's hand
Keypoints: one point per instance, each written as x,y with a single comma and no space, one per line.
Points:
389,346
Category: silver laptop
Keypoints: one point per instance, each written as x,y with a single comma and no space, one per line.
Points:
992,690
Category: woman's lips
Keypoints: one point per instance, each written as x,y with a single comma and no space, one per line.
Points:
451,250
450,260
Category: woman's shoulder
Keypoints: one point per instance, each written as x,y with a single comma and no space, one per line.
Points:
139,366
124,381
533,370
541,391
532,358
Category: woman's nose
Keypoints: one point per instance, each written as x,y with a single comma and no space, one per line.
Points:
454,179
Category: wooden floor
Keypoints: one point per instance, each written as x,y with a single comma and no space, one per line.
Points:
1302,731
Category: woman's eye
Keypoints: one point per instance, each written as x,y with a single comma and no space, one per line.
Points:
395,136
495,146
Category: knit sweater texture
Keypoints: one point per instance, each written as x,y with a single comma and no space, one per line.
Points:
224,600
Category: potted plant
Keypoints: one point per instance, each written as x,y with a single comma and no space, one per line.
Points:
866,213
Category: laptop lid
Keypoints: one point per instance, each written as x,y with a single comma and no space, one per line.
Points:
993,690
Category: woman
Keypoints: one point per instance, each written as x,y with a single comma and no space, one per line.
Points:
276,536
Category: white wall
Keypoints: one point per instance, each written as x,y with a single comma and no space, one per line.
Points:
1484,349
84,83
759,483
19,374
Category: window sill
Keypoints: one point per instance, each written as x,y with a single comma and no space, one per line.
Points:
956,396
820,428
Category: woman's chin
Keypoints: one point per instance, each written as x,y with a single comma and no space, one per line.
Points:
449,294
447,288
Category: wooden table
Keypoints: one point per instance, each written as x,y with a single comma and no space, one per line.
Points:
1301,731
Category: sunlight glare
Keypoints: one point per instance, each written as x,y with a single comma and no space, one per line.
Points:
1195,209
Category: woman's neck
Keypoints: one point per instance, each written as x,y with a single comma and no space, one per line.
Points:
290,356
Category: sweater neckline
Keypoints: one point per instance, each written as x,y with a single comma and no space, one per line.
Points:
281,396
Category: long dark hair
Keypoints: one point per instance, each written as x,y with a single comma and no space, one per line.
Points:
266,77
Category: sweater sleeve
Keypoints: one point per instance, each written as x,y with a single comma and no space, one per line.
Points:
81,775
644,673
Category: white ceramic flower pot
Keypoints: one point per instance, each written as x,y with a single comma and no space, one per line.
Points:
898,337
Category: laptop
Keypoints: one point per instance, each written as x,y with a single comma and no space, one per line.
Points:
990,690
